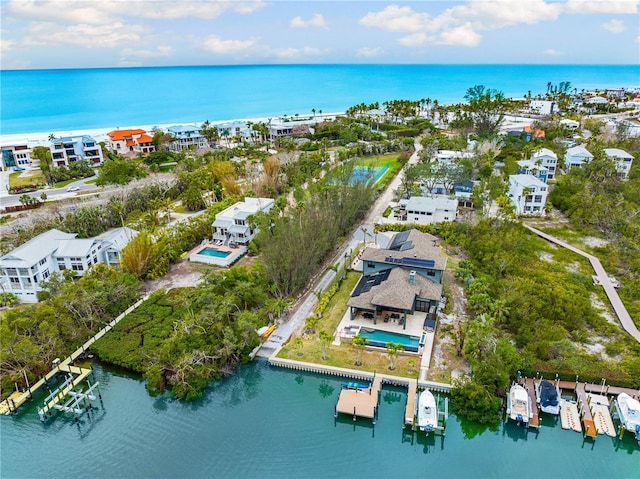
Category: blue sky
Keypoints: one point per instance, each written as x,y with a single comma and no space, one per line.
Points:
113,33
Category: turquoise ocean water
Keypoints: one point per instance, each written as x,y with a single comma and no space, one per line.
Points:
265,422
55,100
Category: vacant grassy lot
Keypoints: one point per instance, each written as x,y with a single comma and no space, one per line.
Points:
25,178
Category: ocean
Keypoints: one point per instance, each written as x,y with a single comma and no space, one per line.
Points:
46,101
266,422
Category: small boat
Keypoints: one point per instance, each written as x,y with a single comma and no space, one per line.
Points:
427,411
548,397
357,386
629,412
518,405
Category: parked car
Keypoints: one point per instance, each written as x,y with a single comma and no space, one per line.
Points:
73,188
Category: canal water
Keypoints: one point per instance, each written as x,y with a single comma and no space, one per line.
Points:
267,422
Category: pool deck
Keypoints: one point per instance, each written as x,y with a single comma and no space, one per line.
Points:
234,254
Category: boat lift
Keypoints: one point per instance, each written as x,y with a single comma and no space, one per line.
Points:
73,403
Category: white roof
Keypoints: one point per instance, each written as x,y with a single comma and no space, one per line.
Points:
73,247
579,150
118,238
527,180
35,249
544,152
530,165
247,207
431,204
569,122
617,153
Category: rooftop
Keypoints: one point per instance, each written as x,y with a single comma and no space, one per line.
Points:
409,245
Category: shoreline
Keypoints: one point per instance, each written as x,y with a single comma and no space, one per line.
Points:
34,139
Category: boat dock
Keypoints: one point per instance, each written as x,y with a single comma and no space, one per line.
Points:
360,402
569,416
599,406
534,417
17,398
410,411
585,412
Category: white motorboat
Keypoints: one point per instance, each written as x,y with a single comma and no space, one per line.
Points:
629,412
427,411
518,405
548,397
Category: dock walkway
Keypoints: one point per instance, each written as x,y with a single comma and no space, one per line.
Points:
360,402
534,417
410,411
585,411
622,313
16,400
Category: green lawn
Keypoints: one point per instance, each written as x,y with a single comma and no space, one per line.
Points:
25,178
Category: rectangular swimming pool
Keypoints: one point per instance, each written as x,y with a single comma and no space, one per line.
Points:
378,338
216,253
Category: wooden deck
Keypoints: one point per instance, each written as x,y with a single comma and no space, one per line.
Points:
410,411
585,412
360,402
534,417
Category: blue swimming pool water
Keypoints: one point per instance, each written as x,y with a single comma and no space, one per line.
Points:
376,337
216,253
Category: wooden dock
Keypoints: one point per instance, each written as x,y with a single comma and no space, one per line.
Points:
534,417
569,416
585,412
17,399
410,411
360,402
599,406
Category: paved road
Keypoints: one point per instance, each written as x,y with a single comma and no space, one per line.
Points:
295,323
622,313
52,193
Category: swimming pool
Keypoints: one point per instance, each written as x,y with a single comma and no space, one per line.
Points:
216,253
378,338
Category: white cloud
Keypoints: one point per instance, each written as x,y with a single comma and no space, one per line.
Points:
83,35
602,6
552,53
415,40
6,45
614,26
396,19
369,52
215,44
316,21
298,52
463,36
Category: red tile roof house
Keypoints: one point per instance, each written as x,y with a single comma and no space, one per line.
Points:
130,142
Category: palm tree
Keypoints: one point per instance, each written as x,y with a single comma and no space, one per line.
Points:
365,233
526,191
359,342
325,340
392,351
310,324
298,343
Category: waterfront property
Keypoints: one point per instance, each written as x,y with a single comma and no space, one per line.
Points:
400,282
68,150
576,156
231,225
15,156
529,167
130,142
621,158
186,137
528,194
547,159
23,269
427,209
217,254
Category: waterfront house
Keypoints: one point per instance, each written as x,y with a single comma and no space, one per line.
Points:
543,107
68,150
130,142
530,167
548,159
621,158
528,194
400,282
427,209
15,156
452,156
186,137
23,269
231,225
576,156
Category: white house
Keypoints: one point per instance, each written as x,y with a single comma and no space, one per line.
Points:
427,209
70,149
548,159
530,167
15,156
571,124
231,225
450,156
622,159
528,194
186,137
543,107
24,268
576,156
